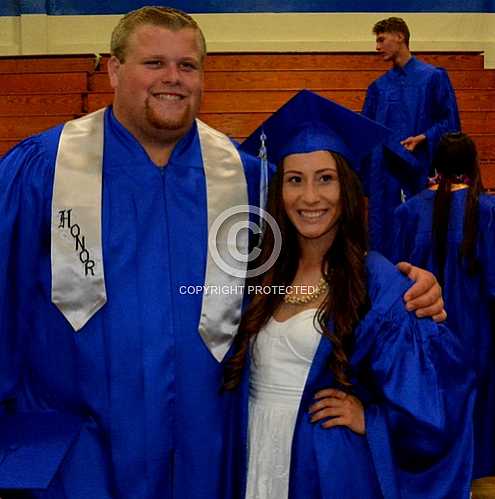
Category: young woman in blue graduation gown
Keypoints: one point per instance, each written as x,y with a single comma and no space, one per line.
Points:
378,402
450,229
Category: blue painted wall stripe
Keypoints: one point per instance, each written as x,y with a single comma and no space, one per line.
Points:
33,6
10,8
81,7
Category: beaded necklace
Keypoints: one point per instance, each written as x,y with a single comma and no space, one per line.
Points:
321,287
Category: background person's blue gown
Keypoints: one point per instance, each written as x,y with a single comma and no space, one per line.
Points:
469,299
138,376
418,399
412,100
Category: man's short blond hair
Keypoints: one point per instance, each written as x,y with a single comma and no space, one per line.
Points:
166,17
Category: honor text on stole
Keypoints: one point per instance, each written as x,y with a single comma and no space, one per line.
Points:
80,240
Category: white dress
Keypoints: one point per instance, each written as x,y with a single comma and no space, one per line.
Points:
282,355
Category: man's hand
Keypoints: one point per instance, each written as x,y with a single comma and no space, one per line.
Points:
412,142
343,409
425,295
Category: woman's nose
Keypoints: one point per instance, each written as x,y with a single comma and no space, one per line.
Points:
310,193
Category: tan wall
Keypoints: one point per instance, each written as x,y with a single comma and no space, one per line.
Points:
41,34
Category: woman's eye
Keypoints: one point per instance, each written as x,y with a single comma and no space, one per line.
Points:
327,178
294,179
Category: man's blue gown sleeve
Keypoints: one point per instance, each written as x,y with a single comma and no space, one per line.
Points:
444,111
22,175
28,441
370,102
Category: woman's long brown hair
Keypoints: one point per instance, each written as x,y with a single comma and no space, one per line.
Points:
456,157
343,267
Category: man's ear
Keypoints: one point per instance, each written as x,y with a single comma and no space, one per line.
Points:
113,67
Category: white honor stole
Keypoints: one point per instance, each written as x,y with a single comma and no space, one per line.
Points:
78,280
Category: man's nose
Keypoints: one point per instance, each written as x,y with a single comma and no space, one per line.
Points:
170,73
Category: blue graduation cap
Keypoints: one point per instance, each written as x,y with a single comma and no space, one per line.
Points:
309,122
403,164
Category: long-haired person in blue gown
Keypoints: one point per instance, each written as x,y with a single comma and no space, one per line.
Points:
347,394
450,229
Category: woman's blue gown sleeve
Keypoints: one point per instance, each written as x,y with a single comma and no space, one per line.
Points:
419,428
418,397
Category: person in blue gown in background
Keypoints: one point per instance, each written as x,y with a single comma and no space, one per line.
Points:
415,100
347,395
449,228
111,350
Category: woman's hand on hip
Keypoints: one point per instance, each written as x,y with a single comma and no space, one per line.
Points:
342,408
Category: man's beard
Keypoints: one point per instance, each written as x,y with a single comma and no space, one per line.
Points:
165,123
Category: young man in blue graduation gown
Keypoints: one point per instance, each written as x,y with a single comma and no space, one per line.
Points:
111,348
131,401
416,101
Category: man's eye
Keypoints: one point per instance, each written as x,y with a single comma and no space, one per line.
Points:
188,66
153,63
